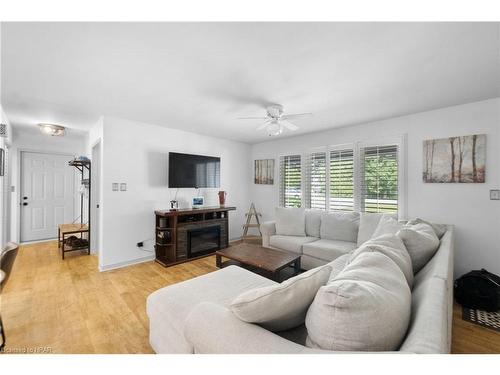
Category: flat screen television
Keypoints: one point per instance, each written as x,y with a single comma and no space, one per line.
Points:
193,171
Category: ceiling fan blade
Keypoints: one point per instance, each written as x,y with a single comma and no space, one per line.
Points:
251,118
263,126
288,125
293,115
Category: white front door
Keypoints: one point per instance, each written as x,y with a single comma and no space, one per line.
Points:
47,194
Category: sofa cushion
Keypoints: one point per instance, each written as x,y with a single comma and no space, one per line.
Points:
387,225
290,221
282,306
393,247
313,222
341,226
439,229
421,242
365,308
338,265
290,243
327,249
368,222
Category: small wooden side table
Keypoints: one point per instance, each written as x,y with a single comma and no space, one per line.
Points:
67,229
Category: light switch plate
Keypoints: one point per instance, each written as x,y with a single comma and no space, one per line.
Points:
123,186
114,186
495,195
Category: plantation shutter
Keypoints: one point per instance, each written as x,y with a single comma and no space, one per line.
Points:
316,189
342,180
290,181
379,170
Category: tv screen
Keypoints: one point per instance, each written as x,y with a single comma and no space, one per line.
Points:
193,171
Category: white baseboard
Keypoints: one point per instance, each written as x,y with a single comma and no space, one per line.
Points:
127,263
38,241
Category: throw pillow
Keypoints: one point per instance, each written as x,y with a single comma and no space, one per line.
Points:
290,221
340,226
439,229
387,225
421,242
282,306
393,247
366,307
313,222
368,222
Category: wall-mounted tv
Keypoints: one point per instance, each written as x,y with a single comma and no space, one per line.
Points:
193,171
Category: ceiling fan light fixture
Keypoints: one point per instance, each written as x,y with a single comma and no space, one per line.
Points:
52,129
274,129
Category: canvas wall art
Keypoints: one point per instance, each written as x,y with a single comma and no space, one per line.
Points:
264,172
455,159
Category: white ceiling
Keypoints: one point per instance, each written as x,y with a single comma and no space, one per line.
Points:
201,76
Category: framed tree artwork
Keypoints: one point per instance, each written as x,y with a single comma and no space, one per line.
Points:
455,159
264,172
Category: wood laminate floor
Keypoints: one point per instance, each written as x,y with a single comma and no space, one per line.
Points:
51,305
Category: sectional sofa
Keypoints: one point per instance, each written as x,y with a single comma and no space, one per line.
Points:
319,237
197,315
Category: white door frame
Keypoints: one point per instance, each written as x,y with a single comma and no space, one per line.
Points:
96,192
19,163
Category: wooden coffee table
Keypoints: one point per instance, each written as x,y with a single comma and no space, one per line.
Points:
261,260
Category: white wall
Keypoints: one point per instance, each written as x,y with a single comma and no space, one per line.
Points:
33,140
137,154
467,206
5,195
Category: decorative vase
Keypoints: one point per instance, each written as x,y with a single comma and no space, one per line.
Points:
222,198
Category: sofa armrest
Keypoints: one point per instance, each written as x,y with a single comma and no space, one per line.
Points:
214,329
267,229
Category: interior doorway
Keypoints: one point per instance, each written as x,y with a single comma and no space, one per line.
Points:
47,195
95,218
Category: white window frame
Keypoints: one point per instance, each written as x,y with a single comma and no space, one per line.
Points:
340,147
401,142
303,175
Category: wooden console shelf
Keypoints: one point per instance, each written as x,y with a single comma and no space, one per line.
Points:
173,227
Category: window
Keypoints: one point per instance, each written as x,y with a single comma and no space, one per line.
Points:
379,190
354,177
290,181
316,181
342,180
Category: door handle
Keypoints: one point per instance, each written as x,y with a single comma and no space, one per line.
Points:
25,203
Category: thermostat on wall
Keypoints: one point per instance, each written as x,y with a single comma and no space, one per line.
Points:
495,195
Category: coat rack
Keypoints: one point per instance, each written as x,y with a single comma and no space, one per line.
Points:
84,167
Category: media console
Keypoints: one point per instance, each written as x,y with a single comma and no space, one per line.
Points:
187,234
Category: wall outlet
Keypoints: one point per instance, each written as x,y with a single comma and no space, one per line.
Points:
114,186
140,244
123,186
495,195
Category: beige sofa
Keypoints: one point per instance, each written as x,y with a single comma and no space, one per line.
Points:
322,241
193,316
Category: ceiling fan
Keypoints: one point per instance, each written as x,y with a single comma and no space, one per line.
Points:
276,121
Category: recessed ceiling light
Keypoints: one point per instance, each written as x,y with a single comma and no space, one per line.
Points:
52,129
